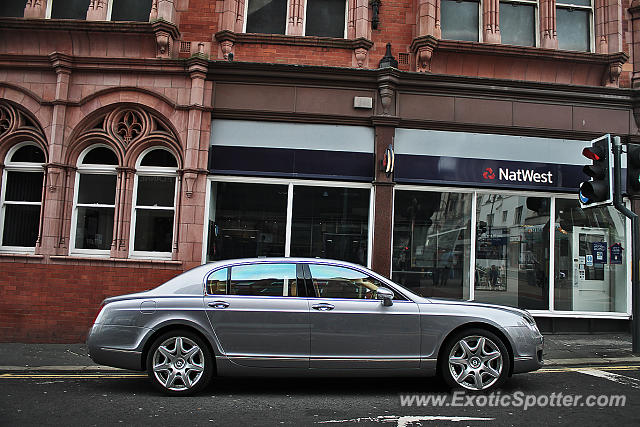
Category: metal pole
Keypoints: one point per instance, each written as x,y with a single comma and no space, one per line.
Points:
635,257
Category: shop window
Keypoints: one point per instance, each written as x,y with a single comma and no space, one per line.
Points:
324,18
590,258
95,200
512,258
250,220
330,222
431,242
460,20
21,197
130,10
154,204
246,220
12,8
69,9
573,24
518,22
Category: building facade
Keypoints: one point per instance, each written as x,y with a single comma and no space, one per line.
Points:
436,141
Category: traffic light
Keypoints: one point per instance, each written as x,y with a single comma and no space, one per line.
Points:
633,169
599,189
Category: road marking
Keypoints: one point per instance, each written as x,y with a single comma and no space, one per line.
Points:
70,376
405,420
611,376
581,368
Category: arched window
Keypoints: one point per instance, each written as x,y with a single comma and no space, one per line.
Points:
94,201
154,201
21,197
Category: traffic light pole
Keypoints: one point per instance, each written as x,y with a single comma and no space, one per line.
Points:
635,257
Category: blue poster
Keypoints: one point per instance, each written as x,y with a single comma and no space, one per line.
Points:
616,253
599,251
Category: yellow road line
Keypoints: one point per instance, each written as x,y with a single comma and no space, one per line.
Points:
71,376
580,368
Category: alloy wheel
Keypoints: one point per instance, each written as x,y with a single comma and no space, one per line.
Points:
475,362
178,363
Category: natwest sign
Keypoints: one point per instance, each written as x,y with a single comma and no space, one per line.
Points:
487,173
524,175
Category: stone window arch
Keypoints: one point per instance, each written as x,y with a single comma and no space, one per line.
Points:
153,216
23,159
133,134
94,202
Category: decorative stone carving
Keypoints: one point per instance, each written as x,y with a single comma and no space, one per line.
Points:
612,74
163,42
227,48
127,125
548,33
14,121
361,56
491,19
423,47
386,98
35,9
97,11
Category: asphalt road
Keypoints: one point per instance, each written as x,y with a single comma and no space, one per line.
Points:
129,399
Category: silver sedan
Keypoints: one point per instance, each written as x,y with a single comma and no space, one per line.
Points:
297,316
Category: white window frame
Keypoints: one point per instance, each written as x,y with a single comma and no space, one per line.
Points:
536,17
152,171
590,9
290,183
11,166
550,312
304,21
90,170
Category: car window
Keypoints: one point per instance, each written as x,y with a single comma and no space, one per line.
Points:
217,282
263,280
340,282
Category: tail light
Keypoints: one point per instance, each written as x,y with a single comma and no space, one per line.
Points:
102,304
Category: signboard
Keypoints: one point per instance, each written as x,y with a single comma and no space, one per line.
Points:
599,252
616,253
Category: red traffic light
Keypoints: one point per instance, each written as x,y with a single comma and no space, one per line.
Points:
591,154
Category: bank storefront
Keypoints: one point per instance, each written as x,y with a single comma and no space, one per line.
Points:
491,218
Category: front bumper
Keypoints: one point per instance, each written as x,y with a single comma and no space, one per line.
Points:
527,350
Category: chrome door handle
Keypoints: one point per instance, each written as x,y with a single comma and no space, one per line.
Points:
218,304
323,306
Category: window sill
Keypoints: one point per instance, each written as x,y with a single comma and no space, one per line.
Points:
310,41
20,257
122,262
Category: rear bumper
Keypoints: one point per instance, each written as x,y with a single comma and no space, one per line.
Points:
115,353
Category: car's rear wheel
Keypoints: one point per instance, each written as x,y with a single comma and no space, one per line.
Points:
179,363
474,359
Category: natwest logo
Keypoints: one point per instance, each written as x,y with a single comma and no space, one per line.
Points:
488,174
519,175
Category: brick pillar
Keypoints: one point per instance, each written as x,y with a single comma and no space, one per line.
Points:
613,25
634,11
428,18
491,21
97,10
548,34
194,173
52,239
35,9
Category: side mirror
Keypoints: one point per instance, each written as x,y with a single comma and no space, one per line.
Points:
386,295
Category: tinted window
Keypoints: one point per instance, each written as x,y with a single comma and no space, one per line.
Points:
517,24
340,282
459,20
573,29
161,158
69,9
325,18
264,280
28,154
12,8
217,282
100,156
131,10
24,186
97,189
266,16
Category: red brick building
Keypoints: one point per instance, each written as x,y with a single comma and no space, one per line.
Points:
142,138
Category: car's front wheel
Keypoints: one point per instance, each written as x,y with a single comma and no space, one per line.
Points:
179,363
474,359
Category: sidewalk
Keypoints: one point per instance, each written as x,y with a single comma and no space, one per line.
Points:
560,349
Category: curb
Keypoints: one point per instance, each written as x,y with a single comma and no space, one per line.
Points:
591,361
